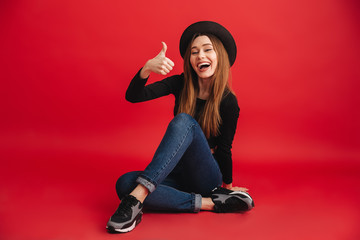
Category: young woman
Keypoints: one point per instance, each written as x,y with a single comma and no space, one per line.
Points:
193,159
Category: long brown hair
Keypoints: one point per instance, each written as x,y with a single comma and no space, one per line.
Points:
209,118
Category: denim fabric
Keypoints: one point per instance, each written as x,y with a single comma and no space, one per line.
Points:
181,171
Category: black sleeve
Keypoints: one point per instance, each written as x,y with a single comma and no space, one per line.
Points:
229,111
138,92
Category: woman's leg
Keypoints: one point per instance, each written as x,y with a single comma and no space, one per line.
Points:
183,135
184,146
166,197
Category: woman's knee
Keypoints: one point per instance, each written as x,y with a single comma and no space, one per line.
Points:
126,183
184,117
182,120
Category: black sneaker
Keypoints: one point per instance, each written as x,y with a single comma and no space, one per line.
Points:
127,216
227,201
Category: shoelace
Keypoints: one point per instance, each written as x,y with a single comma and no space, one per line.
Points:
124,208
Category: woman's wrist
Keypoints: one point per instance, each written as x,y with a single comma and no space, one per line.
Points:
145,71
227,185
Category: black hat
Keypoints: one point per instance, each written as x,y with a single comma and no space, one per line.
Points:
212,28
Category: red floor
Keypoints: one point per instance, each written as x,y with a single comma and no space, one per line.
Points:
41,198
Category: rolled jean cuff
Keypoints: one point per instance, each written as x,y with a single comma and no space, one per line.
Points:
197,202
149,185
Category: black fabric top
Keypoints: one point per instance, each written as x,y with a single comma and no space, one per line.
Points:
138,91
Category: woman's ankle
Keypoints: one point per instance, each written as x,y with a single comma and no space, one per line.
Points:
140,192
207,204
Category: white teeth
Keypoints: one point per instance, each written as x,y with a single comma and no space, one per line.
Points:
201,65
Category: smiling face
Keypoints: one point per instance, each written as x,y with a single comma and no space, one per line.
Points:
203,58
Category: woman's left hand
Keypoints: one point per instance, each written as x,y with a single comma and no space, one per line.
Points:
234,188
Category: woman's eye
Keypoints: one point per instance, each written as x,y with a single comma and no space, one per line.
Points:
208,50
194,52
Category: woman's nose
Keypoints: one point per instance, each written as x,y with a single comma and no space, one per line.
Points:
201,54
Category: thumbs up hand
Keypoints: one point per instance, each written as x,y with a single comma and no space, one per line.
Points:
159,64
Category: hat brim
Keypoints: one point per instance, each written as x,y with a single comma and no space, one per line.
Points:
213,28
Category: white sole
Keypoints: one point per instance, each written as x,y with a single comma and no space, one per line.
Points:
125,229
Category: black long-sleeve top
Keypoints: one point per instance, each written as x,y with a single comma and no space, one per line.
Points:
138,91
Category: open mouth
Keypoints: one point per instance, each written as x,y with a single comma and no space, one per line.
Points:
203,66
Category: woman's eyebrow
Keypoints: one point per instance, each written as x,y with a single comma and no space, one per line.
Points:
205,44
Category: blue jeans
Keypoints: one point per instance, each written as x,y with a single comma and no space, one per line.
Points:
182,170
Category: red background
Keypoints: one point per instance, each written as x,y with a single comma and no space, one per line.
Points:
67,132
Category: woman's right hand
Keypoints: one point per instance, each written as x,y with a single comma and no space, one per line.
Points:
234,188
159,64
